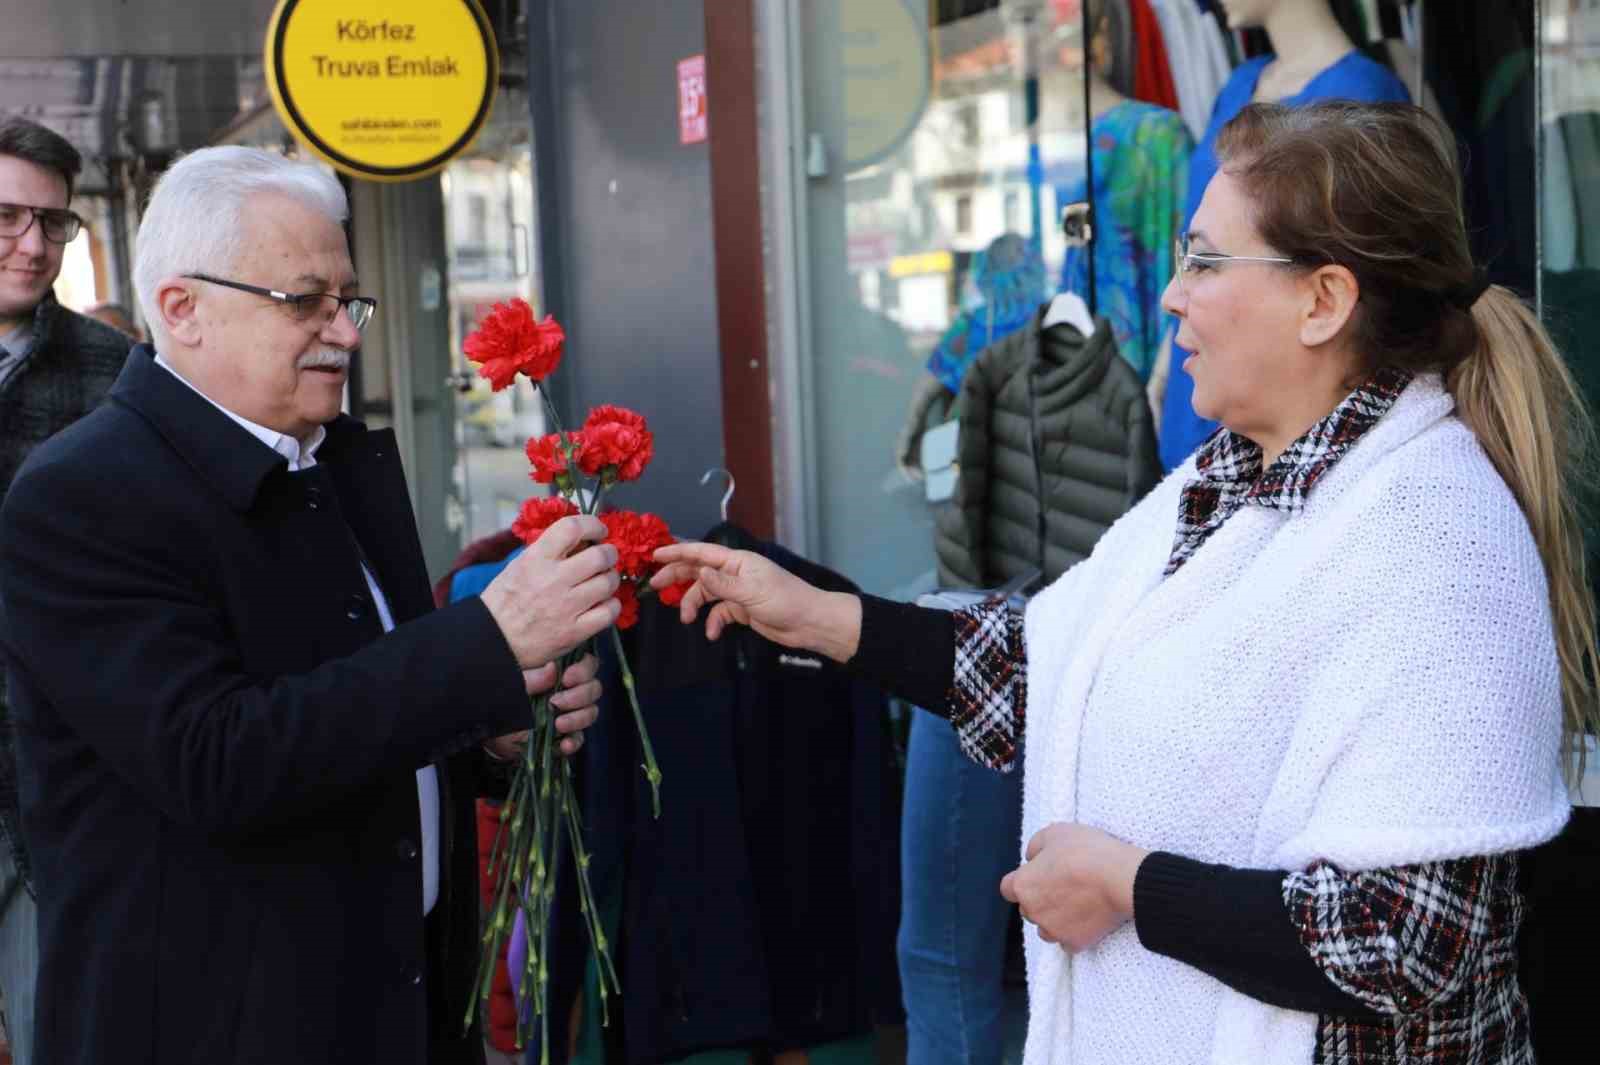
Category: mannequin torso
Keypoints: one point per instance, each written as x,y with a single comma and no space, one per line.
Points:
1306,31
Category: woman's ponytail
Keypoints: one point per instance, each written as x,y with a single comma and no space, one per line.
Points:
1515,392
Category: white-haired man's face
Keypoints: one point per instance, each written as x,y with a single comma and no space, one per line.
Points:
279,365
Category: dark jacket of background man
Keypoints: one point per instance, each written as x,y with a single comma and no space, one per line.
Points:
64,376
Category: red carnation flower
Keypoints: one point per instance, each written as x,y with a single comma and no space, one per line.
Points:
549,458
636,538
629,598
617,444
673,594
538,514
509,341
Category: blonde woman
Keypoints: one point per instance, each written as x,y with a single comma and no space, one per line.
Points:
1290,725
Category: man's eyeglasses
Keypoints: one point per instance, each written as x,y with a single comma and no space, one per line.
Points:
58,224
1190,263
313,308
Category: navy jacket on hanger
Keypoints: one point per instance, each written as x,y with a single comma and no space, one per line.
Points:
760,910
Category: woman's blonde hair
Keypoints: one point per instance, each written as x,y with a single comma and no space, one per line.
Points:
1376,188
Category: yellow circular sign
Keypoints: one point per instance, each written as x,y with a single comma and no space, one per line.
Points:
383,89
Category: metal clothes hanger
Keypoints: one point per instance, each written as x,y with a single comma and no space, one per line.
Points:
1069,307
727,496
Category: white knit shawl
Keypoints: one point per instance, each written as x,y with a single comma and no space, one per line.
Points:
1372,681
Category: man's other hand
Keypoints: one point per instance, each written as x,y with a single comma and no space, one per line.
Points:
577,703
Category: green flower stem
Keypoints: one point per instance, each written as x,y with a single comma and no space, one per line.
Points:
652,771
544,1020
586,900
523,840
523,852
543,890
496,931
487,962
550,407
530,861
566,447
597,935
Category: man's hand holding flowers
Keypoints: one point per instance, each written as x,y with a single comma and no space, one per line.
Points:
555,579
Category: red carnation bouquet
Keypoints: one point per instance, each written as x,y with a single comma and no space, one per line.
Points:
612,447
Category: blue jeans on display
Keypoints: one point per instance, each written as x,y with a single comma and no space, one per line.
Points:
19,957
960,833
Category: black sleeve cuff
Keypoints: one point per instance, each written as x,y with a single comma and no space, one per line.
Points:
447,703
908,651
1232,924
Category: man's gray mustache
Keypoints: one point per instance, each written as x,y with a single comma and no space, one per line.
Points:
323,357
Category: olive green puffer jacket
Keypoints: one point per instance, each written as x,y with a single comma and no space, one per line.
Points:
1026,502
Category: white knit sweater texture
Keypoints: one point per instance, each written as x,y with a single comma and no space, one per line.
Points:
1371,682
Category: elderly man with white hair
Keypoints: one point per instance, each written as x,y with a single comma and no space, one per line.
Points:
247,745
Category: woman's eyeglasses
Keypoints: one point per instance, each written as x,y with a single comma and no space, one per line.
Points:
1189,263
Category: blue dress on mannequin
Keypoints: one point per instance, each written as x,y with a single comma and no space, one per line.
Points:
1355,77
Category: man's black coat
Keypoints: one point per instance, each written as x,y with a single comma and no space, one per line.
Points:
218,745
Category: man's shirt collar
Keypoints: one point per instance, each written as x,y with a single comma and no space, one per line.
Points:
299,457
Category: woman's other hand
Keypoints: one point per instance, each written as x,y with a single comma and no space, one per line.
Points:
1076,885
746,589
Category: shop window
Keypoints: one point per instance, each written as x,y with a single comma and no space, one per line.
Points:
928,173
477,220
1569,182
968,126
489,203
964,215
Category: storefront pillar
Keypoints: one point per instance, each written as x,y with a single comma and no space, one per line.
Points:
405,353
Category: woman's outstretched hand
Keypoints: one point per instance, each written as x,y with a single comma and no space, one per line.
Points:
744,588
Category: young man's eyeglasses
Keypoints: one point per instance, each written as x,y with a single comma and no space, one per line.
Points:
58,224
319,308
1190,263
